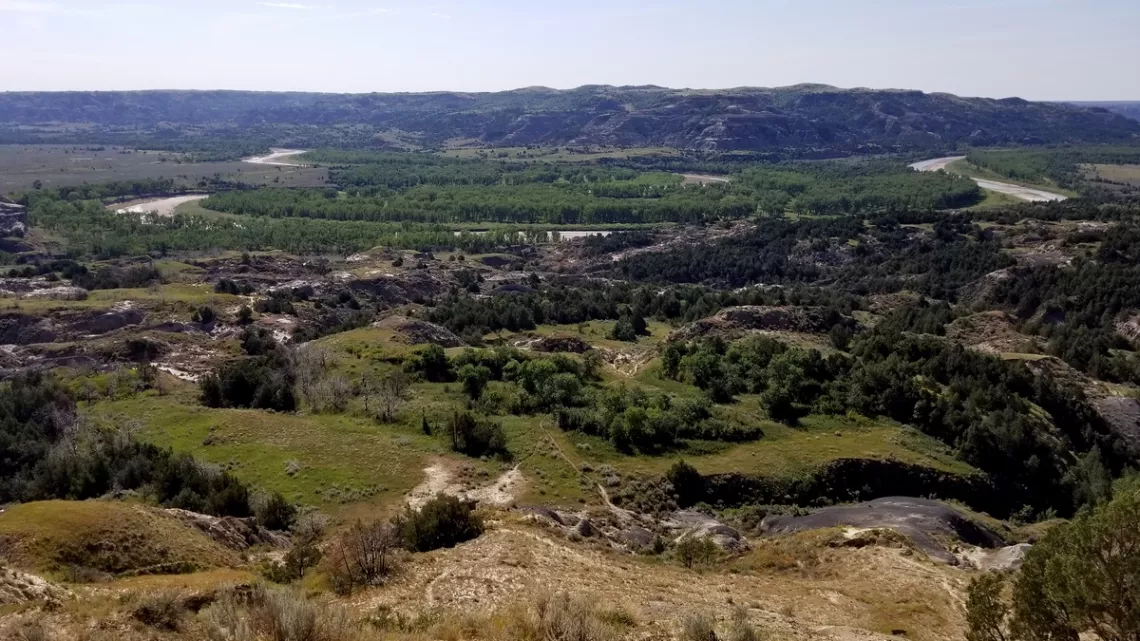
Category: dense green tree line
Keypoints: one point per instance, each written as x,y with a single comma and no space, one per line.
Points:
531,203
1077,308
90,230
1061,165
508,381
44,455
853,187
568,304
837,249
979,405
435,189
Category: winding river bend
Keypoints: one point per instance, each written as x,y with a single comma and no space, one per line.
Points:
277,158
1030,194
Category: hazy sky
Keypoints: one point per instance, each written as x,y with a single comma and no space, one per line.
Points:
1036,49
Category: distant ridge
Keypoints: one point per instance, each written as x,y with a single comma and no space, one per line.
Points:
1129,108
747,118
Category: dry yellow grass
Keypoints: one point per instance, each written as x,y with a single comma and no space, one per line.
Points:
107,536
814,591
508,586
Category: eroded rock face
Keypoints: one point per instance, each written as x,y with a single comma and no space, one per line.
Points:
632,532
18,329
20,587
737,321
13,219
418,332
1122,413
922,521
686,524
571,344
106,322
1001,559
59,293
233,533
1129,327
413,287
992,332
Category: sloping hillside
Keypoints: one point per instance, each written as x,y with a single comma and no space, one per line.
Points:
1130,108
801,117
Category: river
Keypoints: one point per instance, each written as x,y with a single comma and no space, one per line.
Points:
277,158
1031,194
163,207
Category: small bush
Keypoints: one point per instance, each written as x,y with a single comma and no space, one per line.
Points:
204,315
442,522
364,555
692,550
275,614
698,627
687,482
564,618
475,436
162,611
741,629
263,382
274,512
33,631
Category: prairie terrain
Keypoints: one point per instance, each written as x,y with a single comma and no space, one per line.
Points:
370,396
64,165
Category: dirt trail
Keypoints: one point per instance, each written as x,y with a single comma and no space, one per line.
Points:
1029,194
438,479
277,158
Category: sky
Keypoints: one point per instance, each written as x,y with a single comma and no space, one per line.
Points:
1034,49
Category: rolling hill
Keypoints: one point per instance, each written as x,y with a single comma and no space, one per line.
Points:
1129,108
805,117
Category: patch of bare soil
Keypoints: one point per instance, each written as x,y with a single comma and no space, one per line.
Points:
267,271
1066,374
980,293
735,322
1129,327
795,588
22,329
627,361
1002,559
418,332
441,478
190,362
571,258
411,287
556,343
992,332
883,304
806,252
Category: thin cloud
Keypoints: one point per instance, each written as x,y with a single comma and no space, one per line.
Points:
29,7
287,5
349,15
44,8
